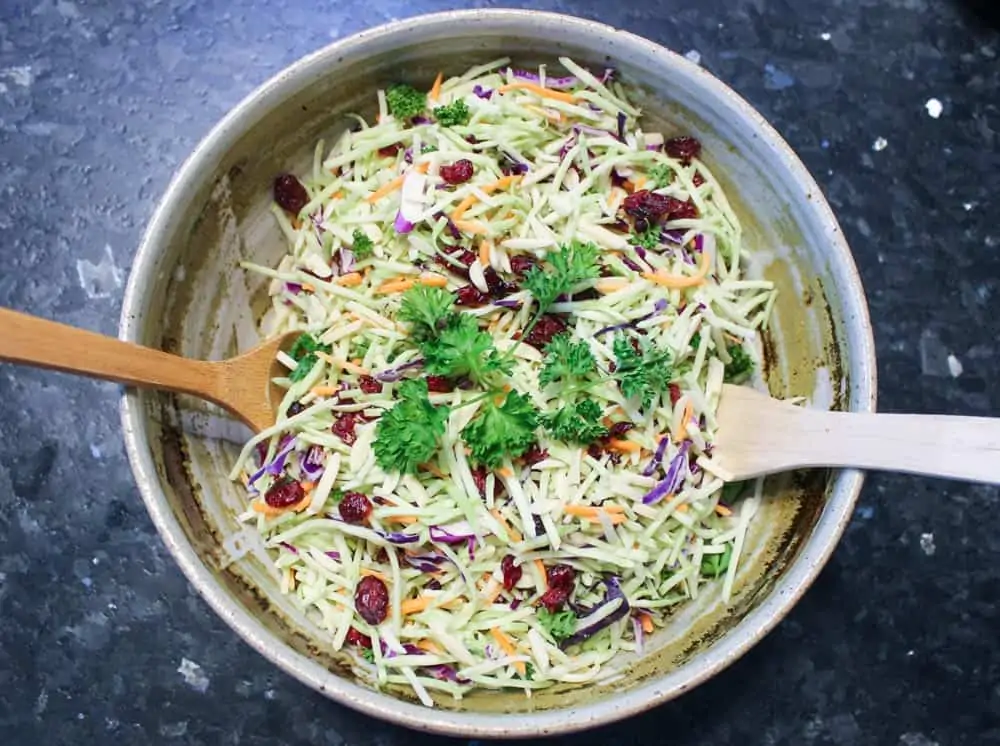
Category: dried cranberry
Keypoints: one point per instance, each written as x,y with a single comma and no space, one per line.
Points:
497,286
433,585
390,151
290,194
381,555
462,256
521,264
479,479
470,296
675,393
283,494
697,179
458,172
511,572
355,508
535,454
682,148
343,427
553,599
357,638
682,210
261,450
369,385
618,429
439,384
560,576
595,451
545,329
647,205
371,599
615,458
294,408
586,294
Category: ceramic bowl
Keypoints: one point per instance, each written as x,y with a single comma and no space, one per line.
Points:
186,294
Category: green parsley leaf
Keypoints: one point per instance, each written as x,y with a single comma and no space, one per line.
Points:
572,264
359,346
648,239
529,672
566,360
368,654
575,423
661,175
740,366
428,149
731,491
713,565
336,496
452,115
560,625
427,309
362,246
498,432
405,101
696,341
645,374
461,348
303,351
408,434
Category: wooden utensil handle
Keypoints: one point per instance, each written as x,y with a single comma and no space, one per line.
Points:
48,344
932,445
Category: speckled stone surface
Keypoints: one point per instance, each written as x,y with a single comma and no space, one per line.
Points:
893,104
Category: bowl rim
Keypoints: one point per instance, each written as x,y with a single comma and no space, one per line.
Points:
758,622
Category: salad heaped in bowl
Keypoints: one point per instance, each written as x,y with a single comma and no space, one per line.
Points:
493,464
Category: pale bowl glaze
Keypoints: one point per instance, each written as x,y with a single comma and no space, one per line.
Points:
186,294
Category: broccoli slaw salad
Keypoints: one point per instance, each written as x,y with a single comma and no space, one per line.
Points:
492,468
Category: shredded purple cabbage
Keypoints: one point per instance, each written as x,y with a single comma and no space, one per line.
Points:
452,228
699,243
453,533
637,631
655,148
556,84
659,307
398,538
622,119
631,265
675,237
346,261
609,73
506,303
613,592
312,462
420,119
445,672
424,562
484,93
391,375
277,464
568,145
333,555
402,225
657,457
289,547
293,287
674,478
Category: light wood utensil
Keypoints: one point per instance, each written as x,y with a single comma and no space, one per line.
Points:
759,435
241,384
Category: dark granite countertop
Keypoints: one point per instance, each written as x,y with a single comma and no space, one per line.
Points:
893,104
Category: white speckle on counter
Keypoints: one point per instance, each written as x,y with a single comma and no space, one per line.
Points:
193,675
934,108
880,144
927,544
21,75
955,366
100,280
968,206
825,36
916,739
694,55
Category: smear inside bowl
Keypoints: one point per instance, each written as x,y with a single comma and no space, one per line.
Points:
187,294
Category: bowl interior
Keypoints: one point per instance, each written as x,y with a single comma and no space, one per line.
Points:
188,295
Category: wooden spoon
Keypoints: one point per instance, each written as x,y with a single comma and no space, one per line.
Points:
759,435
241,385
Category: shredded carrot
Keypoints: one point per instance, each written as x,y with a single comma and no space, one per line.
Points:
433,469
538,90
682,281
685,418
307,288
682,508
647,622
723,510
324,390
508,647
435,93
396,286
429,646
392,186
432,280
338,195
540,566
511,531
485,249
612,285
628,185
263,507
349,280
505,472
413,605
296,223
494,593
367,571
308,487
592,513
406,520
624,446
471,199
350,367
640,182
471,226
